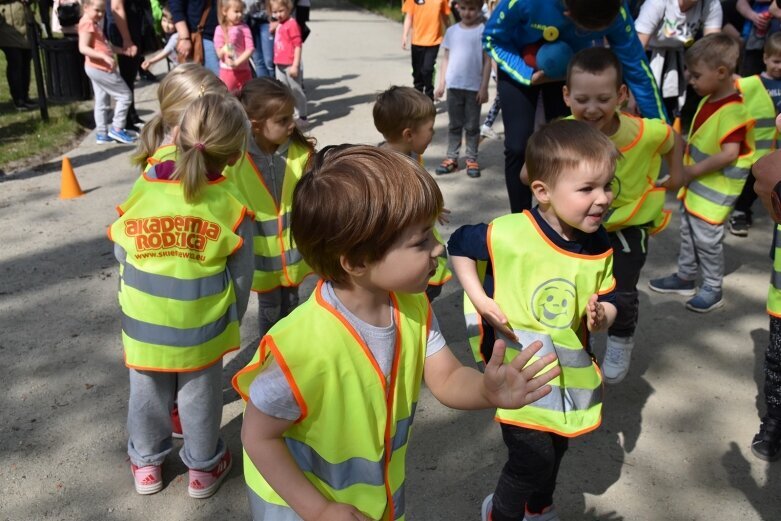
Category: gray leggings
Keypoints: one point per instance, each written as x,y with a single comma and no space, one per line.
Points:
199,397
107,85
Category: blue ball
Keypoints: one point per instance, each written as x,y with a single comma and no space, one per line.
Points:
553,58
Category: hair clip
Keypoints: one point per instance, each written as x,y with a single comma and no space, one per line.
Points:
202,90
200,147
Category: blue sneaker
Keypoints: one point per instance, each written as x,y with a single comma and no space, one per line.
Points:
118,134
672,284
102,139
707,299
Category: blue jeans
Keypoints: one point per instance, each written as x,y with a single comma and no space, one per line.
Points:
264,52
210,60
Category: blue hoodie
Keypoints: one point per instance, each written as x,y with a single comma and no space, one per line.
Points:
515,24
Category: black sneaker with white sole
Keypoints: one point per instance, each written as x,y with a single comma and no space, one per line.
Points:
766,445
739,223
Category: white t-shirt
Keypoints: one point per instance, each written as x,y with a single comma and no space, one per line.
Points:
465,57
270,391
670,28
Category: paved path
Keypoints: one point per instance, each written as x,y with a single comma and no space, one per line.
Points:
673,445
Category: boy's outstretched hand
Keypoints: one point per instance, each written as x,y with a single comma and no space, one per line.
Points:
511,386
597,320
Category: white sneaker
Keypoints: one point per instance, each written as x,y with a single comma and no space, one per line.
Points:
488,132
548,515
617,357
485,510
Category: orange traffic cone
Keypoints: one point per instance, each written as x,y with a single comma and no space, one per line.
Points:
69,187
677,125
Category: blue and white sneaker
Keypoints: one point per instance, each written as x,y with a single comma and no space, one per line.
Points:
121,135
707,299
672,284
485,509
103,139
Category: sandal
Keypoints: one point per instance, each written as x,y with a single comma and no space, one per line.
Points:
472,168
447,166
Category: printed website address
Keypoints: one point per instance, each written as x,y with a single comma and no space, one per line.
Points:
172,253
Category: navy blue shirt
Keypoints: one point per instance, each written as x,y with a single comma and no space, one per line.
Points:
773,88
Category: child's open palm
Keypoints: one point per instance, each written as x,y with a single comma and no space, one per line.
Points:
512,386
597,319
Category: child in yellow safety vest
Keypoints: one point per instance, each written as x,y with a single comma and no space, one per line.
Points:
277,157
405,118
548,276
594,93
333,387
762,95
717,160
180,87
184,247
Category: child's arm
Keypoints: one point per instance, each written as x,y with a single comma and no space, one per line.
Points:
219,43
509,386
293,70
600,315
674,160
170,46
406,30
482,95
85,48
466,271
441,73
249,47
729,153
261,436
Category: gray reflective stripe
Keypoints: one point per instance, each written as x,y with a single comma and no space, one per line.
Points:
337,475
175,337
765,123
775,279
275,263
472,325
262,509
696,154
270,228
399,503
562,399
736,172
402,430
711,195
567,357
172,287
765,144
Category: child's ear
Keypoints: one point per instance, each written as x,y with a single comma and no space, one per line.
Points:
353,270
623,94
565,94
406,134
541,191
723,72
175,134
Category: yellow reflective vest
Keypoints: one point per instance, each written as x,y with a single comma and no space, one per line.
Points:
711,196
774,292
443,273
277,260
760,107
543,291
351,438
636,198
176,296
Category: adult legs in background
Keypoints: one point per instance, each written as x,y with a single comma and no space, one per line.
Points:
128,70
17,73
263,55
519,104
210,60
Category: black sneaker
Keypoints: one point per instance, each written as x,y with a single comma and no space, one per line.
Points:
766,445
739,223
27,104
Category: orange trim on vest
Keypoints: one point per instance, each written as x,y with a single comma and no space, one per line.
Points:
289,377
639,204
701,217
536,427
528,214
158,370
639,135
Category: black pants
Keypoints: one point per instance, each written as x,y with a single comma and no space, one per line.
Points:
18,72
128,69
519,105
773,370
423,61
528,479
630,249
747,197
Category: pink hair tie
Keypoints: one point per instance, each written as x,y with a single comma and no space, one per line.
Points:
200,147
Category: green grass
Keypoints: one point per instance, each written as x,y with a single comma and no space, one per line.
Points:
388,8
25,139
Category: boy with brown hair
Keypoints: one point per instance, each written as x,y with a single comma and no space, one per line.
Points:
762,95
717,160
427,20
405,118
594,93
363,218
548,276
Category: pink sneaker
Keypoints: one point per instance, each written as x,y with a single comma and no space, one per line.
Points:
176,424
204,483
148,479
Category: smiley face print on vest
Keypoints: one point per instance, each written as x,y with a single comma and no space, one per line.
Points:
553,303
